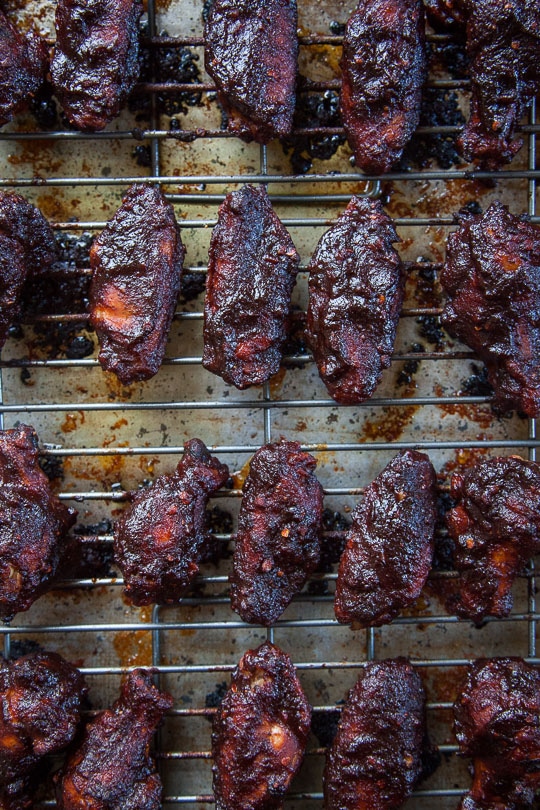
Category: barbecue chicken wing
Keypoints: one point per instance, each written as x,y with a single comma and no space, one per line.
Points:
137,265
389,548
497,723
375,759
503,46
27,245
251,51
96,58
33,523
160,539
356,288
40,704
384,68
112,768
252,270
23,64
260,732
492,280
277,543
496,529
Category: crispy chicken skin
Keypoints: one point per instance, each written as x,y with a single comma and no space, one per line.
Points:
96,58
27,246
389,548
492,279
503,44
23,63
277,543
375,759
112,768
33,523
251,52
137,266
40,704
160,539
496,528
252,270
497,723
384,68
356,288
260,732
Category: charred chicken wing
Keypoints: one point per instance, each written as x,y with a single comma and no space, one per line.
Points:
375,759
492,280
497,723
503,44
260,732
356,288
389,548
160,538
137,265
251,273
96,59
40,704
278,543
23,63
384,68
27,245
112,769
496,529
33,523
251,51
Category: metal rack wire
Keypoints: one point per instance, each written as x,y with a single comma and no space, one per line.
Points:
260,408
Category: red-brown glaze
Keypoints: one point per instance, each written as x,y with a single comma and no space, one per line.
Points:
497,723
112,768
389,548
260,732
252,269
251,53
277,543
33,523
40,705
137,265
375,759
96,58
356,288
160,539
23,64
384,68
492,279
496,529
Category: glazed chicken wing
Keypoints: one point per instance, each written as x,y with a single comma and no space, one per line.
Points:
376,757
252,269
277,543
503,44
492,280
112,768
33,523
260,732
251,51
496,529
27,246
137,265
40,705
23,63
384,68
356,288
160,538
389,548
96,58
497,723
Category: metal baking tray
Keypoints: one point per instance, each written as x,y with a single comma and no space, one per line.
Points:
101,439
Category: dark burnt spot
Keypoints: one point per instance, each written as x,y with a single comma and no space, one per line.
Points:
53,467
313,110
213,699
431,330
477,384
439,108
325,725
192,286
